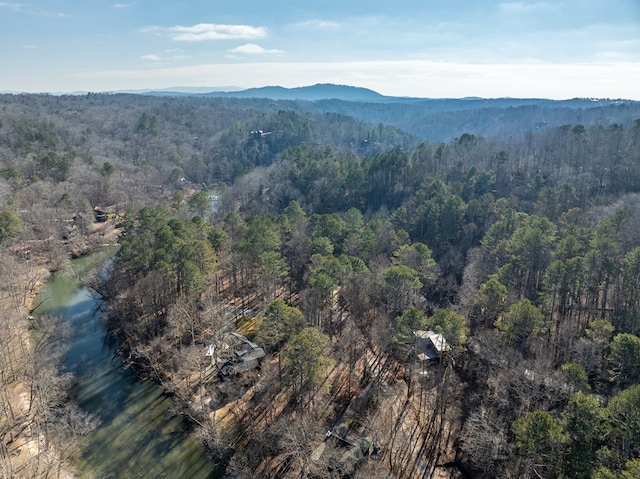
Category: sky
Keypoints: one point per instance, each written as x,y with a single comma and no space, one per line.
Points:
417,48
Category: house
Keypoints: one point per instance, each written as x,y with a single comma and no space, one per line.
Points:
236,354
103,214
258,134
100,215
430,345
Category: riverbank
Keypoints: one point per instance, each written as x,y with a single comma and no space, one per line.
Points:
140,433
29,453
136,429
26,450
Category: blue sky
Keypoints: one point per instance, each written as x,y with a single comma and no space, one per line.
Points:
428,48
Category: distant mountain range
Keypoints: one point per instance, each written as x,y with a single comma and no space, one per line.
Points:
432,119
320,91
330,91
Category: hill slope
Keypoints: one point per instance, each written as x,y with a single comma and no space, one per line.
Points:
440,119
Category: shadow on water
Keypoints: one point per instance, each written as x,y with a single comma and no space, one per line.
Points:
138,437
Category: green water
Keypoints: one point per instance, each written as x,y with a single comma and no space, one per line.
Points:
138,436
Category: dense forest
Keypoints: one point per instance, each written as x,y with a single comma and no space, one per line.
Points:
333,245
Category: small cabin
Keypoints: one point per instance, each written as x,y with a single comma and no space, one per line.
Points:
100,215
259,134
430,345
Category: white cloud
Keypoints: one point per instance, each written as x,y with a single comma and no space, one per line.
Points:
29,47
122,5
317,23
158,59
152,58
253,49
525,7
152,29
29,10
208,31
16,7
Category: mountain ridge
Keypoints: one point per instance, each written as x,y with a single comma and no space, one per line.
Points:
319,91
337,92
332,91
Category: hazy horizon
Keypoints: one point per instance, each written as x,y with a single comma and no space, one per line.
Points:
195,90
439,49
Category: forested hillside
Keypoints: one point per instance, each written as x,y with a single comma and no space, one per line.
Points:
443,119
330,243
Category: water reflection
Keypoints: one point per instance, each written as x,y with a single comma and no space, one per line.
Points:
138,436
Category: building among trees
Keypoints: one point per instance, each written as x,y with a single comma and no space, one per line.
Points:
430,345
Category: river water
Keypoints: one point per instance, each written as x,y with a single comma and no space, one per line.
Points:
138,436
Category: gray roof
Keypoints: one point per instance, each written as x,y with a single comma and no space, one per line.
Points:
433,344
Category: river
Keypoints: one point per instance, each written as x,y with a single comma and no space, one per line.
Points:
138,437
